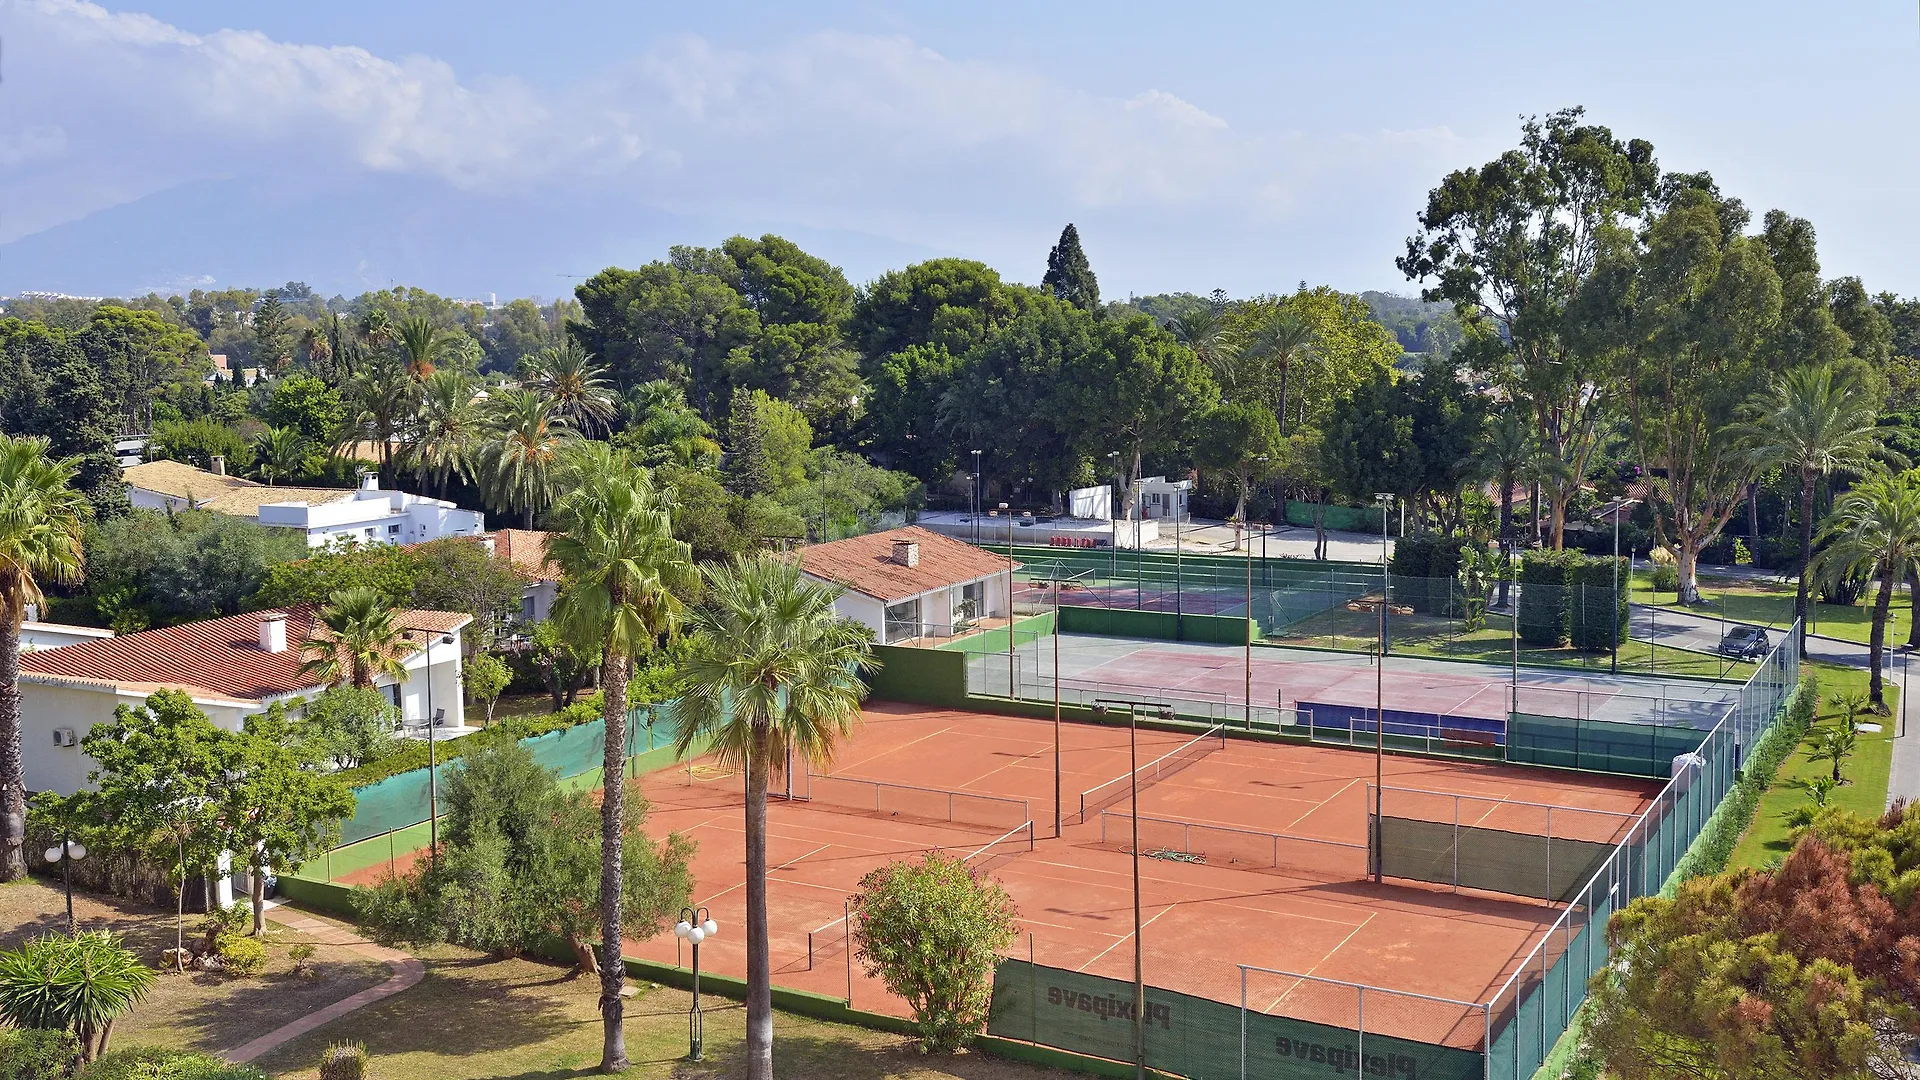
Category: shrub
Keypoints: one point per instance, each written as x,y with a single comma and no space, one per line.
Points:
36,1053
78,984
414,754
1711,853
1424,570
242,957
1666,578
302,957
1593,592
933,931
1546,597
344,1061
157,1063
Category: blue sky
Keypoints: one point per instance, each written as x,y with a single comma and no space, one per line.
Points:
479,147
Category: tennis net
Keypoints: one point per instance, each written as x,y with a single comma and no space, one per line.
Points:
908,801
1099,797
1246,849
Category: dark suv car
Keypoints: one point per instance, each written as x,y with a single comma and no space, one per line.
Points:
1745,643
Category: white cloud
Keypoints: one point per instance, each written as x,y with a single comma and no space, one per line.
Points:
831,130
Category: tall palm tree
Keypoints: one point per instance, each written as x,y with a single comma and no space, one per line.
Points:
567,373
419,339
771,669
377,328
383,395
1506,446
441,440
355,639
1280,346
279,452
623,571
520,455
1204,330
1874,529
41,517
1811,422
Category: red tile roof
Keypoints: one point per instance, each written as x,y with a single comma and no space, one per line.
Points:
526,549
865,563
218,657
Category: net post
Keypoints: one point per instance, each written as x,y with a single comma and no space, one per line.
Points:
1456,843
1486,1045
846,929
1360,1030
1548,888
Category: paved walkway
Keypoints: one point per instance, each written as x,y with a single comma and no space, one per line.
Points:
407,970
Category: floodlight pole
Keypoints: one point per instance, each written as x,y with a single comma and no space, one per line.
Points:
1249,690
1385,502
1056,716
1100,707
976,500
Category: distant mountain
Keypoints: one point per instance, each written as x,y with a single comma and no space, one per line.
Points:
375,232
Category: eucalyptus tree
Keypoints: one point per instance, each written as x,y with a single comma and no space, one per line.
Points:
1509,244
41,520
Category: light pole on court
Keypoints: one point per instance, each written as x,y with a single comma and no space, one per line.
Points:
1620,506
1385,501
1165,712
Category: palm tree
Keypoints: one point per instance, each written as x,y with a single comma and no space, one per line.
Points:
376,326
441,440
281,452
772,673
1874,529
520,457
622,570
1283,342
1204,330
41,517
419,338
355,640
1506,447
1811,422
567,373
383,394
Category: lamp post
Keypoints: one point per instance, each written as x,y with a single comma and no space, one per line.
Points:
976,498
1385,501
433,764
67,852
695,926
1619,507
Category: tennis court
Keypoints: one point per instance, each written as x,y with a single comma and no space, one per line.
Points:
1212,680
1257,854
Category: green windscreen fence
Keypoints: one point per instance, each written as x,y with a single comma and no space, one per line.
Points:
1598,745
1204,1039
1471,857
401,800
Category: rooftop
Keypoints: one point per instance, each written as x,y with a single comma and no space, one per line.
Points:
526,549
865,563
225,494
214,657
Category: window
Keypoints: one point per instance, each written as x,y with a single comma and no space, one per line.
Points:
903,621
972,605
393,530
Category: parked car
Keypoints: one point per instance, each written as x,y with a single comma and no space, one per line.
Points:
1745,643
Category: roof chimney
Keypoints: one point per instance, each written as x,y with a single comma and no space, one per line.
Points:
273,632
370,481
906,552
219,464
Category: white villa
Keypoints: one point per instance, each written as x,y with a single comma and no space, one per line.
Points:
366,515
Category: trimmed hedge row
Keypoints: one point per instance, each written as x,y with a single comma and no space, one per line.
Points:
1424,571
1564,600
1714,849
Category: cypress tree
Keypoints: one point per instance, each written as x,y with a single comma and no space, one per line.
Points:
1069,275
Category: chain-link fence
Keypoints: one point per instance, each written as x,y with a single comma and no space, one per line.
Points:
1336,605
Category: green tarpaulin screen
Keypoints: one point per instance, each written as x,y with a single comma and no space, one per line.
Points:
1598,745
1199,1038
1494,860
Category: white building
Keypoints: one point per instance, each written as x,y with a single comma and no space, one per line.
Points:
36,636
911,583
526,549
1163,498
367,515
232,668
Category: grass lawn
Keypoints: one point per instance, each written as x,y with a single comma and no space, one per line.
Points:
1864,793
1771,604
201,1010
1424,635
476,1018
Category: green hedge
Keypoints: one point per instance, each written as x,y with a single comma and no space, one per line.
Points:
1546,616
1423,571
1592,580
1712,851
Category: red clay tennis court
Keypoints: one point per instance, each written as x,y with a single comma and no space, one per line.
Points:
1258,856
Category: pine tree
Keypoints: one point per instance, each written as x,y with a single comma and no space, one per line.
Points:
745,470
1068,273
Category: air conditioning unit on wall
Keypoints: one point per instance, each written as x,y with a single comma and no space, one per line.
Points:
63,736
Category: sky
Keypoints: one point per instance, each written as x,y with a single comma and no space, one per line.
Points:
479,147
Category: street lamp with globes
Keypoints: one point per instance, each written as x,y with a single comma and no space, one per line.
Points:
695,926
67,852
